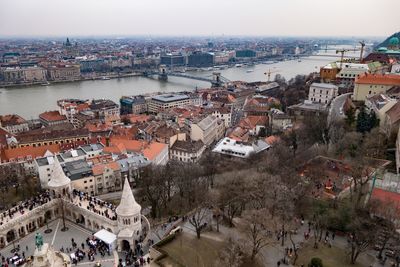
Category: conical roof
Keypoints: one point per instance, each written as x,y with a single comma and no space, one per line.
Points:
58,177
128,206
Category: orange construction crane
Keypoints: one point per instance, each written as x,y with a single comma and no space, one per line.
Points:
268,73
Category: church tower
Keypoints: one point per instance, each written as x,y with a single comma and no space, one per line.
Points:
129,219
59,183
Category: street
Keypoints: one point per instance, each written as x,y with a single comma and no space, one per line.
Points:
336,110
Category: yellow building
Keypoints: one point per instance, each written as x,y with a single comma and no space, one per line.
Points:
367,85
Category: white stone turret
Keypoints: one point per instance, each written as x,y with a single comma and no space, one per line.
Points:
59,183
129,218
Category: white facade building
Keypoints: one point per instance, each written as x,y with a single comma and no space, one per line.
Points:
224,114
44,165
207,130
187,151
322,92
165,102
234,148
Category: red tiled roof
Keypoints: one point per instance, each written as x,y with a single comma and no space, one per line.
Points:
3,139
52,116
272,139
149,150
82,107
379,79
252,121
153,150
239,134
394,113
12,119
99,169
98,127
134,118
33,152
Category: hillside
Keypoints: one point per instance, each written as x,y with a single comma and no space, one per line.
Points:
386,42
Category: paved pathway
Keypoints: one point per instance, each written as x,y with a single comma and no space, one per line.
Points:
336,110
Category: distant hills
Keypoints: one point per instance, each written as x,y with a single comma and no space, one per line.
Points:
386,42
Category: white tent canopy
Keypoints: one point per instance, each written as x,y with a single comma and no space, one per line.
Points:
107,237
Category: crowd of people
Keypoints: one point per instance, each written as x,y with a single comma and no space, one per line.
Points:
135,257
94,204
24,207
17,259
91,249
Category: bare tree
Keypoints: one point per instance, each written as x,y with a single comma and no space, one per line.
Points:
232,196
361,237
361,174
209,164
349,145
231,255
319,220
198,219
387,211
216,206
374,144
152,185
258,230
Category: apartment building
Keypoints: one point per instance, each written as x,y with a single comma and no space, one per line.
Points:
322,92
167,101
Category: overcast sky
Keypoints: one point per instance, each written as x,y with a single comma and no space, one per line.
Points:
201,17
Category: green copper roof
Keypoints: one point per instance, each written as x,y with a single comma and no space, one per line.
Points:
394,41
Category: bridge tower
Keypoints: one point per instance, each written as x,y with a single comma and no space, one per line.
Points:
162,74
216,80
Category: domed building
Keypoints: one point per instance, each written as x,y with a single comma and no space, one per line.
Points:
385,55
394,43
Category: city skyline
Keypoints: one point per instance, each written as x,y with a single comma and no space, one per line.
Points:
187,18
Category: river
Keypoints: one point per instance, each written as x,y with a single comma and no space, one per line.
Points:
31,101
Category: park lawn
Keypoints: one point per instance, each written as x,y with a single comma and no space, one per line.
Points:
331,257
187,250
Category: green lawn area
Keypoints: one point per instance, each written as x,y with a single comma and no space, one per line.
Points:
187,250
331,257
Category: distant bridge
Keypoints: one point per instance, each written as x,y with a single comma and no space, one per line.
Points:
316,55
216,80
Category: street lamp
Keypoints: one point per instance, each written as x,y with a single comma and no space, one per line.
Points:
14,248
65,228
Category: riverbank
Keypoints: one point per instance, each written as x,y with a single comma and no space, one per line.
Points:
107,76
82,78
